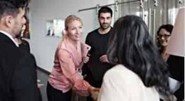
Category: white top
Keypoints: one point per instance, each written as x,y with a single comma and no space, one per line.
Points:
121,84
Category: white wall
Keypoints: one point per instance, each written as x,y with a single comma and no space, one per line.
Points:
42,46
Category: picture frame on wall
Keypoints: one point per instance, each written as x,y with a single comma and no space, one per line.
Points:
55,27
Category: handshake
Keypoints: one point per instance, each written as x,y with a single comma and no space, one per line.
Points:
94,92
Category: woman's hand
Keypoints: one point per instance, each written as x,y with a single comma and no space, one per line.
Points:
94,92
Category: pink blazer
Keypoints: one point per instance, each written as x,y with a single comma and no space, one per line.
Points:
65,74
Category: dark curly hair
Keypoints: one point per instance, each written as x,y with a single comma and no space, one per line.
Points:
167,27
105,9
132,46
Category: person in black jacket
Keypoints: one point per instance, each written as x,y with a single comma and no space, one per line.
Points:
18,79
176,68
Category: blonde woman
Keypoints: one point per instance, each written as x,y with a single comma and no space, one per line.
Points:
70,55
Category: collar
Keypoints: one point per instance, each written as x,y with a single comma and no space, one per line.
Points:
8,35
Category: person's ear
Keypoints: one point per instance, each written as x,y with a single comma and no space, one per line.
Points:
9,21
64,32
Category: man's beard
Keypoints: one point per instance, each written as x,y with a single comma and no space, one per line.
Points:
19,34
105,26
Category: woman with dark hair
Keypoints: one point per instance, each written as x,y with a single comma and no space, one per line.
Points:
176,79
176,74
163,37
141,73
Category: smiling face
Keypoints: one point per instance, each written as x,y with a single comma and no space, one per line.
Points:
164,37
74,30
105,20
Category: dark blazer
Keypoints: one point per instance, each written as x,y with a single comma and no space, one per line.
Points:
176,68
18,79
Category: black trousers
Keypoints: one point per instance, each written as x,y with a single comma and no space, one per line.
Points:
94,83
57,95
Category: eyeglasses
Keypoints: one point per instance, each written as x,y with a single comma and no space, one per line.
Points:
165,36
